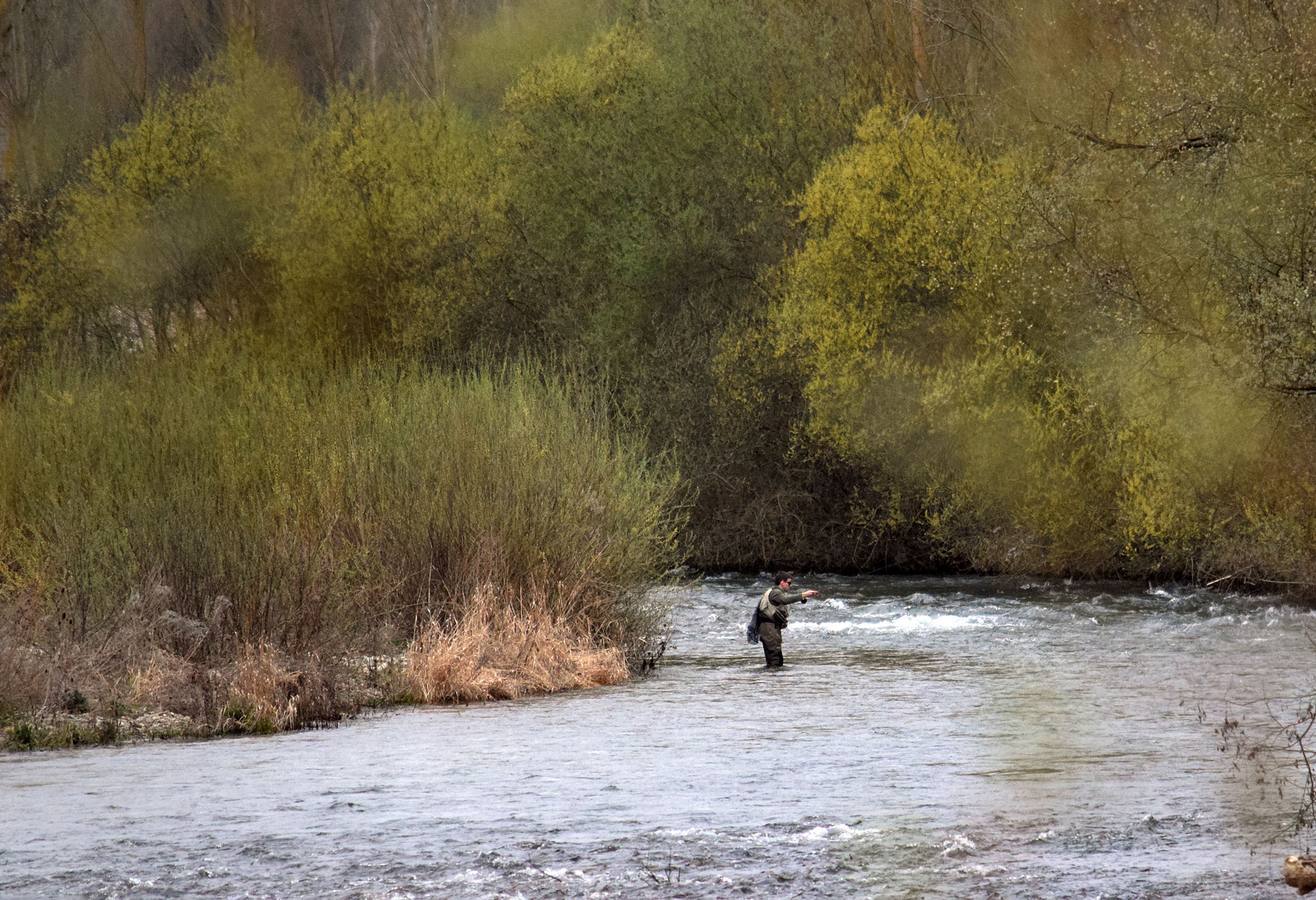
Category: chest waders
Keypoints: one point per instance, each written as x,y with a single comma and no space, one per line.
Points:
771,620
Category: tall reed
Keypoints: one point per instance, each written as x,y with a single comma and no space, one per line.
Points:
212,502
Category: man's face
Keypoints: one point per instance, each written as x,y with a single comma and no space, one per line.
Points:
784,583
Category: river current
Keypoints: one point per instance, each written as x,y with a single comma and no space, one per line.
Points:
928,737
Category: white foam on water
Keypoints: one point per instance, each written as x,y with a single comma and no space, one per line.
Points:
958,845
563,873
838,832
475,877
688,832
1269,617
817,834
914,623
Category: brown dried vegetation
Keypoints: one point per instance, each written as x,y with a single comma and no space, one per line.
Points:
498,652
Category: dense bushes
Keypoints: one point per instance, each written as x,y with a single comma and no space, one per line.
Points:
384,244
205,504
1031,295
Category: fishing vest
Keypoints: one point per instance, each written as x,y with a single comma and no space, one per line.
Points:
771,612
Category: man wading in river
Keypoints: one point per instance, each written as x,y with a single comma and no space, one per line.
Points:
771,614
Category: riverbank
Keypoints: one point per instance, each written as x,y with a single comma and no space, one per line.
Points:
488,655
224,538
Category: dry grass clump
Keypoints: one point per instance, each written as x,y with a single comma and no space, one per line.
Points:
267,692
24,677
496,651
166,681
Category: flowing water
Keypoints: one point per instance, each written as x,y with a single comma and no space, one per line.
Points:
928,737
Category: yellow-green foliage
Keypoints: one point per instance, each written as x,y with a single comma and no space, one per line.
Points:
25,227
1025,465
323,505
901,231
382,244
647,188
585,194
1047,305
488,57
646,179
164,230
1177,177
1014,444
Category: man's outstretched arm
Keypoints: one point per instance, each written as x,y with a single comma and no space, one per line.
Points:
784,598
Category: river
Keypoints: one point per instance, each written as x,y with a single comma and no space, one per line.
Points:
928,737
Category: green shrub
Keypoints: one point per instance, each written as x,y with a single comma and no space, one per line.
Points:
161,234
304,506
382,246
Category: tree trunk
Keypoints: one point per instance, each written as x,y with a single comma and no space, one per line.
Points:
15,90
6,152
239,18
372,50
889,25
918,21
331,64
137,8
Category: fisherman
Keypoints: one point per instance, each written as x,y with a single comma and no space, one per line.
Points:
771,615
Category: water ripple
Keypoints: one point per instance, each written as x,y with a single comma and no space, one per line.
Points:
928,737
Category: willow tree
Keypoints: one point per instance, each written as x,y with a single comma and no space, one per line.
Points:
160,236
382,248
901,238
1175,209
648,187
